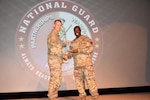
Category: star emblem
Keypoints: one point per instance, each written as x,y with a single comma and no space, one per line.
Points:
96,46
96,39
21,39
21,46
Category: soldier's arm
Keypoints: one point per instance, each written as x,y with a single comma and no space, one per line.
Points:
52,41
87,48
70,55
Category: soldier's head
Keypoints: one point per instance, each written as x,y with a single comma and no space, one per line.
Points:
57,25
77,31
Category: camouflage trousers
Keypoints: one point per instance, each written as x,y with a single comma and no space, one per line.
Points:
82,75
55,77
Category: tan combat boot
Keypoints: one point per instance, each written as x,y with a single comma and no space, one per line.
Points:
83,98
95,98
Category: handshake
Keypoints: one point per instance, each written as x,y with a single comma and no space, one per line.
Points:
66,56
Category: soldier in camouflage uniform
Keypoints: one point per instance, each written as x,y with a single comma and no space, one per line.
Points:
81,49
55,57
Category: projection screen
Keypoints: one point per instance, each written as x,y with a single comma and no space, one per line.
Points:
119,29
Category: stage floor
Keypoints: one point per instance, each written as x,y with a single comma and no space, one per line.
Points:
127,96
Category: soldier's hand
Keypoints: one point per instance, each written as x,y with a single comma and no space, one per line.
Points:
74,51
65,57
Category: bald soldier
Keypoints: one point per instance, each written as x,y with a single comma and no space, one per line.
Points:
81,49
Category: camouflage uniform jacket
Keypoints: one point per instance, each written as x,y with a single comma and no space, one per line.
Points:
54,46
85,48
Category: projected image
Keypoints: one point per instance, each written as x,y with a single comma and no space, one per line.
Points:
120,34
32,38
